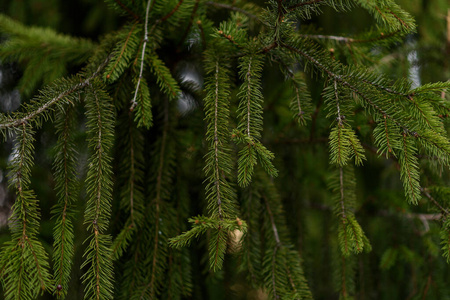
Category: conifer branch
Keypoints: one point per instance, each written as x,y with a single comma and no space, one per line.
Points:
157,200
216,141
46,106
124,47
141,69
40,276
21,179
398,18
24,260
64,166
269,47
409,172
229,38
342,81
98,278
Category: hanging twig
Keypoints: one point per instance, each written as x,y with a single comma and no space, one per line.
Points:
134,103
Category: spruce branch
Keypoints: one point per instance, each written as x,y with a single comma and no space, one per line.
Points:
143,115
66,187
282,271
342,80
386,132
250,114
98,278
164,78
301,102
141,69
123,52
29,116
157,202
131,167
23,259
409,172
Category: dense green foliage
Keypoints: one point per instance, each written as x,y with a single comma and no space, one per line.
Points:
228,150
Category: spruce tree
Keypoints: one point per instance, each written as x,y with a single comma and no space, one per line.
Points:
229,150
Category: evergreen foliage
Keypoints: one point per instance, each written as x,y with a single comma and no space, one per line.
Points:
131,168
